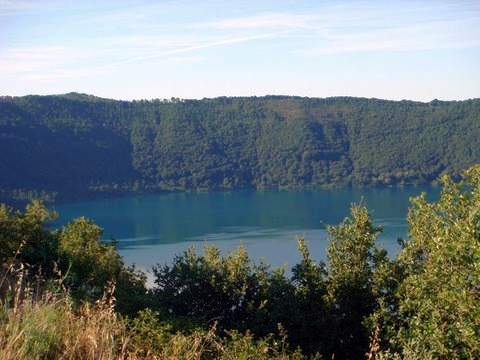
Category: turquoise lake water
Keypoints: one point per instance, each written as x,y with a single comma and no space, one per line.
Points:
152,229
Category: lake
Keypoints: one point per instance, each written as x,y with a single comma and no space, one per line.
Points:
152,229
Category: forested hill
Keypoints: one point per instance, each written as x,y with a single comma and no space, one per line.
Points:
76,144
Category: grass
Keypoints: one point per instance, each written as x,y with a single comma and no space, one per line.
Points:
50,327
36,323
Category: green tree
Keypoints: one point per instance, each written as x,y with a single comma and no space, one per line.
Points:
353,261
438,313
90,263
24,237
310,324
208,288
75,144
74,253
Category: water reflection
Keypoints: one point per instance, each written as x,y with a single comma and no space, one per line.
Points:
151,229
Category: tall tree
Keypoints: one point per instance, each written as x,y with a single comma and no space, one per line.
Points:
353,260
438,314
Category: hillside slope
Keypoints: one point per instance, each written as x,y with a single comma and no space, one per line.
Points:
77,144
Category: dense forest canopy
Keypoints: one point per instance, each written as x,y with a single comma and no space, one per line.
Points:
77,144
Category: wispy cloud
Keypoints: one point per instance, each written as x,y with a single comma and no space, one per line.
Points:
406,30
41,63
14,7
364,26
51,63
61,74
192,48
272,21
98,43
154,41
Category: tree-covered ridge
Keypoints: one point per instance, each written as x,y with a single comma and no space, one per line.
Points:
75,144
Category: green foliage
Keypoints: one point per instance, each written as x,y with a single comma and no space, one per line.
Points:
24,238
152,338
148,334
438,298
91,264
353,261
310,321
48,327
210,288
78,145
74,253
38,331
64,143
130,290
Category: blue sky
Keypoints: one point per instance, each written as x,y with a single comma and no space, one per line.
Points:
415,50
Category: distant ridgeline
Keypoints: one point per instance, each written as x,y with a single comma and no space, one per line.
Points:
76,145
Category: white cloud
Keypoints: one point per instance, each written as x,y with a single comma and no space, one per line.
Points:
14,7
58,74
100,44
416,35
53,63
153,41
44,62
275,20
196,47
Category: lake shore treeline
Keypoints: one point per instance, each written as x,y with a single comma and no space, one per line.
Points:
65,294
75,145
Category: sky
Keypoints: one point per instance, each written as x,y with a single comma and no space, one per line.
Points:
189,49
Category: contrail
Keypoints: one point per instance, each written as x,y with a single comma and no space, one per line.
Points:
196,47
